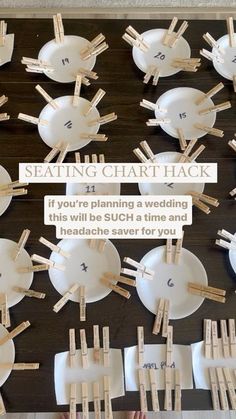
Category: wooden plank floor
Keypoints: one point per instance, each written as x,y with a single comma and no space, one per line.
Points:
34,391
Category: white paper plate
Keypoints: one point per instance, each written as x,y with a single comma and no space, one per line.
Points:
159,54
64,375
67,123
85,267
7,355
4,200
170,281
169,188
93,189
232,258
9,277
183,112
228,68
65,58
7,49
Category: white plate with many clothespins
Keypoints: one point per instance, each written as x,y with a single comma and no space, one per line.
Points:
171,282
182,112
62,58
88,261
11,276
69,123
7,356
169,188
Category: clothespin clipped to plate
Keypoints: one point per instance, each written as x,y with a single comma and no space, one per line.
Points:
32,119
187,64
95,101
47,97
94,47
175,36
148,156
21,243
199,200
205,291
213,131
58,306
142,271
58,28
3,32
54,248
99,245
105,119
152,71
15,332
50,263
4,310
151,106
216,108
63,153
133,38
211,56
34,65
116,288
212,92
185,157
230,244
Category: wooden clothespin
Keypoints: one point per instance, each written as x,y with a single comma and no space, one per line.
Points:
204,208
4,117
84,396
30,293
35,65
177,406
138,153
3,100
54,247
140,333
222,389
95,101
212,42
13,192
225,244
214,389
77,89
32,119
169,248
63,153
88,73
58,306
230,29
73,400
226,235
120,278
215,341
145,146
187,64
137,274
46,96
178,249
142,390
211,293
94,137
107,398
151,106
169,346
182,140
139,266
165,322
106,346
207,339
188,149
96,400
82,303
135,39
232,144
230,387
152,71
216,108
233,192
4,309
232,337
157,121
196,153
96,344
34,268
225,338
154,394
53,153
176,36
101,245
103,119
159,316
168,389
84,349
205,198
41,259
2,406
118,290
72,347
94,50
15,332
213,131
13,185
94,43
169,31
77,157
23,366
211,56
58,28
21,243
3,32
212,92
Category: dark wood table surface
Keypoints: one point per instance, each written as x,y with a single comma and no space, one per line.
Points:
32,391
